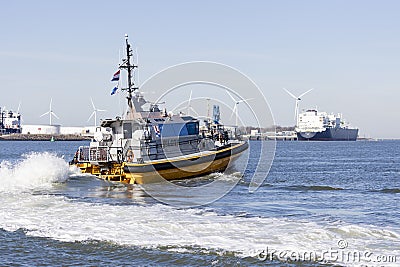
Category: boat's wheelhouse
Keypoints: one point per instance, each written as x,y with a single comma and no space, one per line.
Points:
145,139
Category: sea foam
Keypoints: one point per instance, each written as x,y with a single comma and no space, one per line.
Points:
34,171
160,226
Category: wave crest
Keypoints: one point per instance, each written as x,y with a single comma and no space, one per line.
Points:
34,171
313,188
388,190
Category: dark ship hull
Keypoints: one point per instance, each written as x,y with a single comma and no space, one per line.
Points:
330,134
9,130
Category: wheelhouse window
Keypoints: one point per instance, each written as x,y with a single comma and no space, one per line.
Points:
192,128
127,128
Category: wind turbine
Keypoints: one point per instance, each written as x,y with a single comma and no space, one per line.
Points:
235,107
19,106
95,110
296,107
189,106
18,114
50,112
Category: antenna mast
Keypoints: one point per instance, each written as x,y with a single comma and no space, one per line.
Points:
126,64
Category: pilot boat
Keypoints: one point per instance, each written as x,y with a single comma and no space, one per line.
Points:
151,145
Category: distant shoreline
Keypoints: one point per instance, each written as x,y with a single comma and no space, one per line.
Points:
76,137
44,137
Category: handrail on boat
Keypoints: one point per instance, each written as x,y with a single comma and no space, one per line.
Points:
87,153
90,154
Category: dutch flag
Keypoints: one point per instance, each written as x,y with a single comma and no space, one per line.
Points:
116,76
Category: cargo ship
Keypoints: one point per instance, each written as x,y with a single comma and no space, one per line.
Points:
321,126
10,122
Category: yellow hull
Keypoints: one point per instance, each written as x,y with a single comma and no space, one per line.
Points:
153,172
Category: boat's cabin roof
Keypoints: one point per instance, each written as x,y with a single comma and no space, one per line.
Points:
151,120
108,122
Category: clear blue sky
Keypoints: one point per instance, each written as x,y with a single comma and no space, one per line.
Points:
349,51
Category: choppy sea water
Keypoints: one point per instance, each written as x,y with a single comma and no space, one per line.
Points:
323,203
